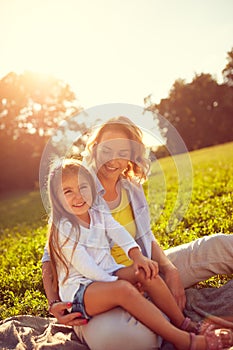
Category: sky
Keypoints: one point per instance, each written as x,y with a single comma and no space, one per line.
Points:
116,51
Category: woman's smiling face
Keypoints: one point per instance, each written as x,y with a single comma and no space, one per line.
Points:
113,154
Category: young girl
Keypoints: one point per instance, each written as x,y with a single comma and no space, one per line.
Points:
79,245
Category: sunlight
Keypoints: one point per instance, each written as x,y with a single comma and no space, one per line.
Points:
151,141
31,128
36,107
39,48
70,40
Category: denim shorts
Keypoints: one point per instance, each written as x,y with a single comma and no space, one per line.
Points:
78,302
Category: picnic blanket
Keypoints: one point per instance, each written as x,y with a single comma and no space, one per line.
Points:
30,332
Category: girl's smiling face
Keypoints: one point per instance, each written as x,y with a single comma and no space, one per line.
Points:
76,195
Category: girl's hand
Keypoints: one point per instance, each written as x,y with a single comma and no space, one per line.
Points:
149,266
59,311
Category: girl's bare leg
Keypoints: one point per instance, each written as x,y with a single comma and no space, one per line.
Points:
158,292
103,296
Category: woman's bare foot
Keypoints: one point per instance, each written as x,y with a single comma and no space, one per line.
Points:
214,339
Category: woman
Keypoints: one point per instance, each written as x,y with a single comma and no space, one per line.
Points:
116,154
79,237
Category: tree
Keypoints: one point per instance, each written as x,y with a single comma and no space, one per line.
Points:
228,70
32,103
31,108
189,109
201,112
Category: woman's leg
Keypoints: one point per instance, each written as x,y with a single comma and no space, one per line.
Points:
203,258
102,296
180,338
117,329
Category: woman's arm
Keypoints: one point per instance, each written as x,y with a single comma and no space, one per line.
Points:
47,276
58,309
170,273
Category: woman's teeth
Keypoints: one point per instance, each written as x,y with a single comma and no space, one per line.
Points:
110,168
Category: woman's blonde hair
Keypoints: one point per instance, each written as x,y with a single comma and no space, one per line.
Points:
138,165
58,171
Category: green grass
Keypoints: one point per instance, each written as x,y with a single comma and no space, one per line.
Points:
23,236
210,209
23,223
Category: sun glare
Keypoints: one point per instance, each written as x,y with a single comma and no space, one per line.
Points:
36,107
37,46
71,41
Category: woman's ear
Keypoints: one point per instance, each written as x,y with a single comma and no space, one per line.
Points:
94,151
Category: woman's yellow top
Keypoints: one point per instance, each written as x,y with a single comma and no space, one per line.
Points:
124,215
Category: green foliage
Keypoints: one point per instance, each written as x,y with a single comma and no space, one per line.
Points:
23,232
21,208
201,110
32,103
23,227
32,107
228,70
210,209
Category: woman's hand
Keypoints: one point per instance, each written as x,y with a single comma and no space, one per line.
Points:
174,283
170,274
59,311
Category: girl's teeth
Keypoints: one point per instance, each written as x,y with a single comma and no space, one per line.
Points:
78,205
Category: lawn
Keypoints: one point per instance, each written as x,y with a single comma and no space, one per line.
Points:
189,196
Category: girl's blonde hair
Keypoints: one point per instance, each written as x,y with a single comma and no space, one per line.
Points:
58,171
138,165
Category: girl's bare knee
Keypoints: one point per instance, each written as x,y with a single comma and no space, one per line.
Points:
141,276
147,283
125,290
